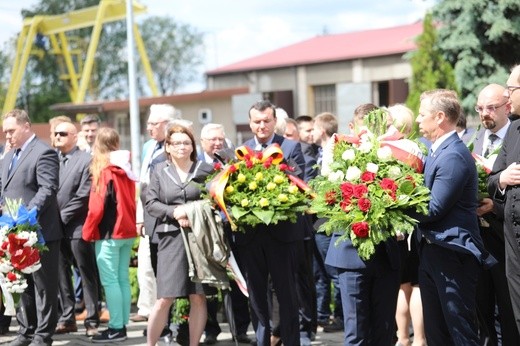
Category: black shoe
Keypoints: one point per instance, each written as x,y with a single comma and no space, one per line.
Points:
110,335
243,339
210,339
4,330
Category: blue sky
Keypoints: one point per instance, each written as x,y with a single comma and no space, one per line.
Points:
236,30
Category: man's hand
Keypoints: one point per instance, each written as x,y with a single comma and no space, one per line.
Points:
140,229
486,206
510,176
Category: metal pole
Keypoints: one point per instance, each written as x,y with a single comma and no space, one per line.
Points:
135,122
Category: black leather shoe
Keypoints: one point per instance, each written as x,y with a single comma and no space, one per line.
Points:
210,339
243,339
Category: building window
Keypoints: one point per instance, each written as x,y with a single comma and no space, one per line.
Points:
325,99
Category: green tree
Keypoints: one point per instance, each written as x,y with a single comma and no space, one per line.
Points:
174,51
479,37
430,70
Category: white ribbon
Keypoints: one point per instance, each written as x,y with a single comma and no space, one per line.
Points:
10,309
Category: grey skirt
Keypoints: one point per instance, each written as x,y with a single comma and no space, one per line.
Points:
172,268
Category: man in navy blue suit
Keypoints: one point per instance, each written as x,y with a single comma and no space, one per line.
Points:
269,251
451,250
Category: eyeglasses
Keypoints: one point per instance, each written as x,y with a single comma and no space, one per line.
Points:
178,144
490,108
215,140
152,123
512,88
61,134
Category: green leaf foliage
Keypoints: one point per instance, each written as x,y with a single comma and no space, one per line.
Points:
174,50
479,38
430,69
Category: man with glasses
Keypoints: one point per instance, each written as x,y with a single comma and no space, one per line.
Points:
493,109
160,115
513,92
504,188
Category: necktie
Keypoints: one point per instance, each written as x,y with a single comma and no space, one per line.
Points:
14,160
63,160
491,144
320,156
155,152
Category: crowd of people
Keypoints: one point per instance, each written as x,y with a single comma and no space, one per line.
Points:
453,281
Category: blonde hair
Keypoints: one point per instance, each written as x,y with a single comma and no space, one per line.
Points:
107,140
402,118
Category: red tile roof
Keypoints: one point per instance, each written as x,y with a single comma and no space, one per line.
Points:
330,48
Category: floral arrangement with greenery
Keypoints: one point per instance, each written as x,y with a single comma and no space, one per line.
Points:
484,167
20,246
368,183
258,188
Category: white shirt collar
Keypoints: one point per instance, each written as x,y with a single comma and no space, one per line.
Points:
440,140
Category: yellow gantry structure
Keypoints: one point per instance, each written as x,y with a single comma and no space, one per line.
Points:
76,72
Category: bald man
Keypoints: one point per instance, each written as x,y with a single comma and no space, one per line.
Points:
493,109
73,196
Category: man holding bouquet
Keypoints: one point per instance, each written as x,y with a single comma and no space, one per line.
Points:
451,250
493,108
30,171
268,251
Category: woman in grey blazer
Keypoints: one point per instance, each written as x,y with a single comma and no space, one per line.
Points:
174,183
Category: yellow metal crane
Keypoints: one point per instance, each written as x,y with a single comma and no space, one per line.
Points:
77,75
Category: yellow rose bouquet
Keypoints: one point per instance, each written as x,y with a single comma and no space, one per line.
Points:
258,188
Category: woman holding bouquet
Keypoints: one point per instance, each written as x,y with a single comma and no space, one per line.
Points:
110,224
174,183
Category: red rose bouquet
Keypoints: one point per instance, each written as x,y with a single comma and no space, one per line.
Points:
366,186
20,247
258,188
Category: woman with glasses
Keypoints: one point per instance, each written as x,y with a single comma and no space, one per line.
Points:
174,183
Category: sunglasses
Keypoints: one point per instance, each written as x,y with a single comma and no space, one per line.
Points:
61,134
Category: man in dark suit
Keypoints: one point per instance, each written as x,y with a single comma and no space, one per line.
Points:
212,141
268,251
32,174
504,187
451,250
492,289
325,125
73,195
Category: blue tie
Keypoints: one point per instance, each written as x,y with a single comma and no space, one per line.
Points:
14,160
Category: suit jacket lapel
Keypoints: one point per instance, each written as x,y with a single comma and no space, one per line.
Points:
478,144
430,161
70,167
21,159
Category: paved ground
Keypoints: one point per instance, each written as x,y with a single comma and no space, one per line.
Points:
135,337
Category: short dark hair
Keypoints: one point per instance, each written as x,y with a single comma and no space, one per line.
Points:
262,106
304,119
89,119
